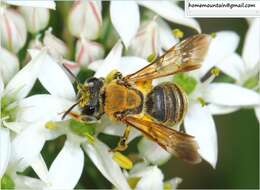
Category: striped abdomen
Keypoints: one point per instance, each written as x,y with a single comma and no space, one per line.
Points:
166,103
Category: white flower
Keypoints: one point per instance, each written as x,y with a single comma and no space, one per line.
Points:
9,65
11,94
152,38
88,51
122,11
85,19
36,18
142,177
62,97
245,71
56,47
12,29
50,4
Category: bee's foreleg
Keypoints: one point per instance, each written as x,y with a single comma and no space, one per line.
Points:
122,144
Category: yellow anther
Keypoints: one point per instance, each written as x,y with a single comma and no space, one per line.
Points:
213,34
132,181
50,125
201,101
215,71
177,33
151,57
122,160
167,186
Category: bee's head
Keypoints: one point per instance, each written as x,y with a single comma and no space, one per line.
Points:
89,96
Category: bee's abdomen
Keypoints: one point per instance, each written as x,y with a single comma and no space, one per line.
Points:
166,103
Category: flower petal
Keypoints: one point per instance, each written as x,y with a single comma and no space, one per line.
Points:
67,167
165,33
219,109
151,178
40,168
32,3
199,123
15,126
233,66
85,19
54,79
152,152
111,61
146,41
251,47
9,65
25,156
116,128
12,29
231,95
257,113
124,14
131,64
56,47
171,12
42,108
23,81
36,18
5,147
221,46
24,182
88,51
1,87
102,158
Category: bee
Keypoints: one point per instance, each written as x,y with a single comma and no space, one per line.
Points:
133,100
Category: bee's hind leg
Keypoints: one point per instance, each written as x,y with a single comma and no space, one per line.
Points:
122,144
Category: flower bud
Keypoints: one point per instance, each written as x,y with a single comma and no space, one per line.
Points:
9,65
36,18
146,41
88,51
85,19
56,47
12,29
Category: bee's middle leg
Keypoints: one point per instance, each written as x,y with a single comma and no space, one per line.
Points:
122,144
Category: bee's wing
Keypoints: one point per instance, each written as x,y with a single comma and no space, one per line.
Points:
180,144
184,56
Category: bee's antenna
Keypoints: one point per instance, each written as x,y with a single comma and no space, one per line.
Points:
71,74
68,111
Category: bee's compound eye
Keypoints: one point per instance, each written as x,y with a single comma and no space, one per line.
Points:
88,110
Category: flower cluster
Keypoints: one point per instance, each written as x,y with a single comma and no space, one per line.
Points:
102,36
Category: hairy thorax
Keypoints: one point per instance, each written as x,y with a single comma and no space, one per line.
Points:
121,100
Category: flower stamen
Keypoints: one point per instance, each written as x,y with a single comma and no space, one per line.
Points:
122,160
177,33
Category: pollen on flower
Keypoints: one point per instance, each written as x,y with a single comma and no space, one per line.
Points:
50,125
167,186
201,101
132,181
215,71
122,160
151,57
213,34
177,33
